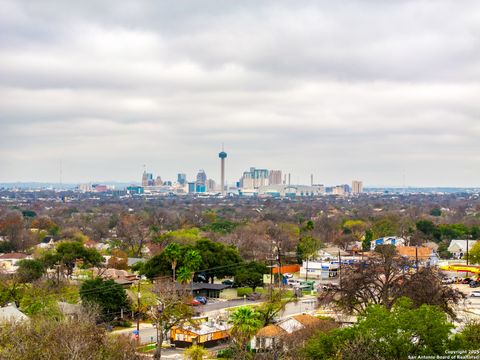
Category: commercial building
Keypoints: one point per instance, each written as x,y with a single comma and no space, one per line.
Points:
182,179
275,177
254,178
211,185
357,187
147,179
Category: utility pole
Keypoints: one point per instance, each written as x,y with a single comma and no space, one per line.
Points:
159,323
339,265
467,251
416,257
280,283
138,310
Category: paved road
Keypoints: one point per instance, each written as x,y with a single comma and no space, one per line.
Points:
148,333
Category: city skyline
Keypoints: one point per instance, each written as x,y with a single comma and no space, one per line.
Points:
386,92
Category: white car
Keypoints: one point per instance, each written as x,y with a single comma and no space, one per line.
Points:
475,293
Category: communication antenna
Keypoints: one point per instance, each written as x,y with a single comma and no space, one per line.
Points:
60,172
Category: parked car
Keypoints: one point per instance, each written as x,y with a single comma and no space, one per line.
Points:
474,284
201,299
201,278
465,281
448,281
195,302
475,293
228,282
294,282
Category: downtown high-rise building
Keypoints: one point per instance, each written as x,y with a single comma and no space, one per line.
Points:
201,183
182,179
357,187
254,178
275,177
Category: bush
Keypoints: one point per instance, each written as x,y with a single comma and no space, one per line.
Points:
120,323
241,292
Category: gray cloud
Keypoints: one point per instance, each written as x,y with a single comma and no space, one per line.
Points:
340,89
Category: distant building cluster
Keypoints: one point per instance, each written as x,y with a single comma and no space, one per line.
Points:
260,182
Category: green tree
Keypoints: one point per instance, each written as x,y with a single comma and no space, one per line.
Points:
468,338
220,259
109,296
367,241
245,324
173,252
268,311
251,275
397,334
40,300
29,270
474,253
192,262
436,212
308,247
67,254
385,226
195,352
356,228
426,226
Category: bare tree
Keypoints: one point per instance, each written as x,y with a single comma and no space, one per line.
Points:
173,309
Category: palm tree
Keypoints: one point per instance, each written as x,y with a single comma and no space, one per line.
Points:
246,322
192,262
173,252
184,275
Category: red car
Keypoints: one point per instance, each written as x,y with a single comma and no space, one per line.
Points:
195,302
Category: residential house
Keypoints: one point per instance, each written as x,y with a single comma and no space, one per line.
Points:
280,335
388,240
426,256
202,331
8,262
458,248
47,243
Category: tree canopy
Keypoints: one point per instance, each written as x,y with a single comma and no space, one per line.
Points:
109,296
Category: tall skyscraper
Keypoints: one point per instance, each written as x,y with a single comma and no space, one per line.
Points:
275,177
357,187
147,179
211,185
254,178
201,183
182,179
222,155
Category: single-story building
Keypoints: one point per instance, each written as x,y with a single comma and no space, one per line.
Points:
207,290
388,240
277,335
458,248
203,332
426,256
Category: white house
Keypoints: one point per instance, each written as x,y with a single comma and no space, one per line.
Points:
274,335
459,247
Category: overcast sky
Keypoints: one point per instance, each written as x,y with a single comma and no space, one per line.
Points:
373,90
